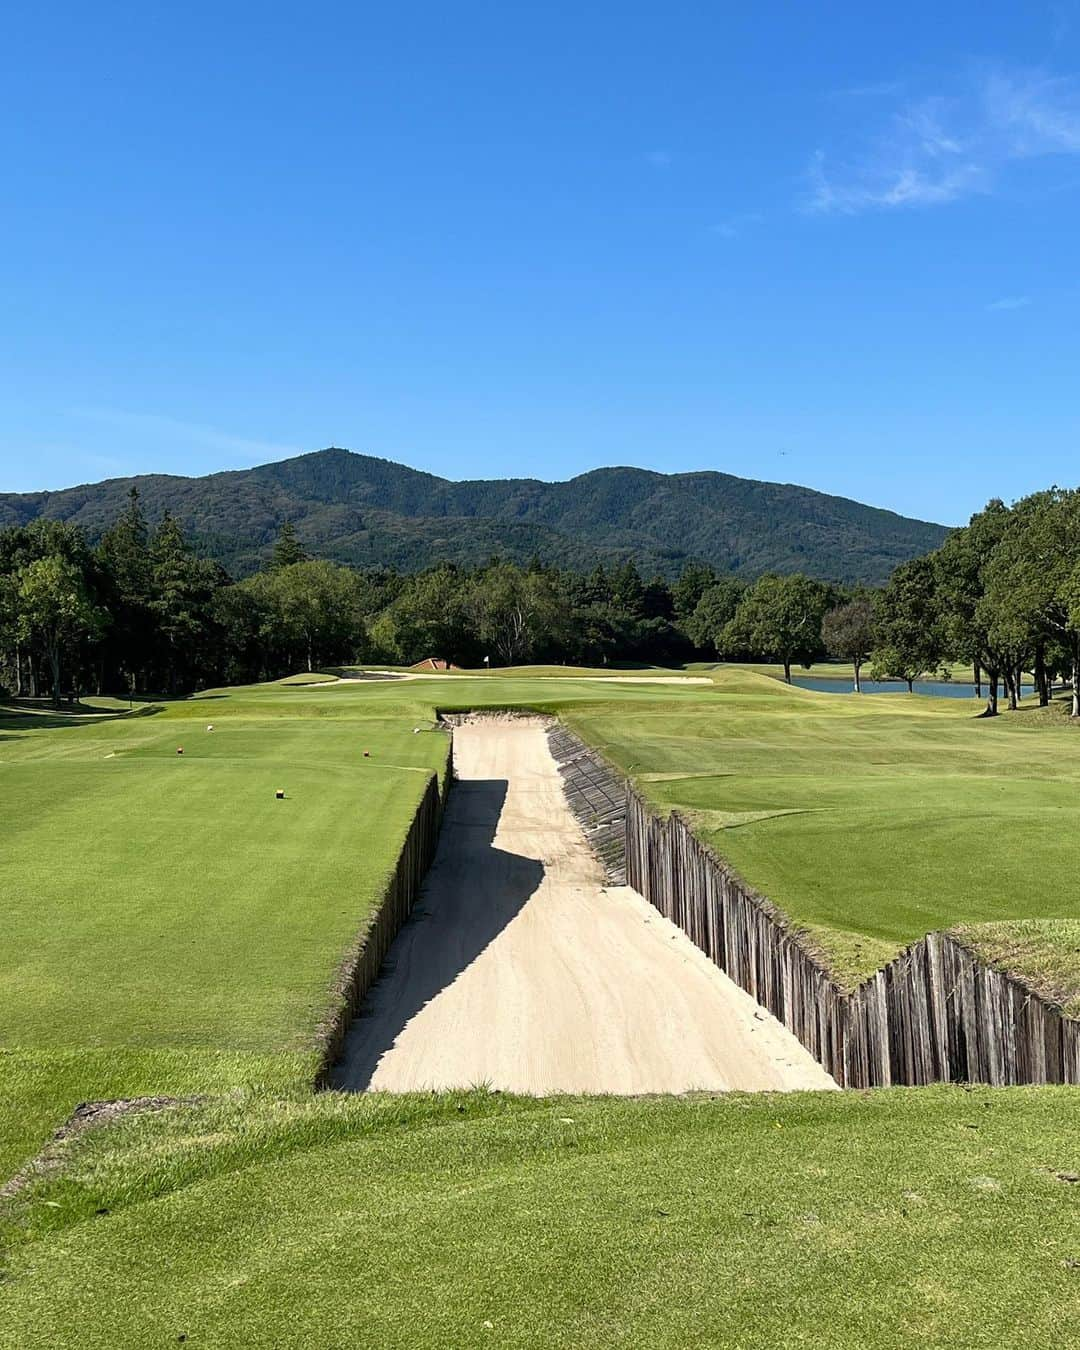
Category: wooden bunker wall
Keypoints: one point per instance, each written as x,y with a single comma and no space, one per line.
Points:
361,966
937,1013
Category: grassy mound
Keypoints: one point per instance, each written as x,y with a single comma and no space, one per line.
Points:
927,1217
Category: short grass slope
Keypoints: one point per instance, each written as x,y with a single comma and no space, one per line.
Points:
933,1217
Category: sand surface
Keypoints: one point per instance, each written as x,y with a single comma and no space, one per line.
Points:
519,969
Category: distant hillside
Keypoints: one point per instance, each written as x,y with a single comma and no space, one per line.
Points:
357,509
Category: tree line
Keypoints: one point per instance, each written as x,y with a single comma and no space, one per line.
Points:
142,613
1002,594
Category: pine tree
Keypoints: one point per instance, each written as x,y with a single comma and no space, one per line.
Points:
124,555
287,548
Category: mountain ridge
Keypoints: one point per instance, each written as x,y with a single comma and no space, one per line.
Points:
370,511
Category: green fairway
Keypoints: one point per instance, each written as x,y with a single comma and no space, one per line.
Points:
175,893
174,929
155,901
164,902
875,820
929,1217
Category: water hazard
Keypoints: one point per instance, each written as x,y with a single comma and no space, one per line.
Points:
936,688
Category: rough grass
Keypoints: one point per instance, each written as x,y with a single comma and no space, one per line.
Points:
39,1088
927,1217
1046,950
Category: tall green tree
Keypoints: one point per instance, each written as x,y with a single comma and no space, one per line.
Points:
430,618
779,618
125,559
715,609
1031,583
288,551
694,580
10,653
513,611
960,586
312,612
848,633
56,611
183,588
908,640
628,591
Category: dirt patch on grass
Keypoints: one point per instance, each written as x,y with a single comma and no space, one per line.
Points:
86,1116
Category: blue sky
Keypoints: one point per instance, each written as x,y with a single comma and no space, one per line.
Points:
825,243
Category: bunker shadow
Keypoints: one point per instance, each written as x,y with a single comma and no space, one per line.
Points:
472,891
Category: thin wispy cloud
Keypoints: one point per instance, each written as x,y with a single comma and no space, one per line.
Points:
197,435
938,149
1009,302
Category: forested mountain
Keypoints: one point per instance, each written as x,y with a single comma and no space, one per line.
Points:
357,509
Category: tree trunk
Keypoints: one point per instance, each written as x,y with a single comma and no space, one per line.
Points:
53,653
1040,676
991,693
977,669
31,675
787,669
1009,679
1076,677
858,684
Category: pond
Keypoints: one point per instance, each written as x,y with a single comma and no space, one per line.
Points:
938,688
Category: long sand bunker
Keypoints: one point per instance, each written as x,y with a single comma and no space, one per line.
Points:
521,970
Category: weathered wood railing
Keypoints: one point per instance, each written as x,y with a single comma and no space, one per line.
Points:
937,1013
